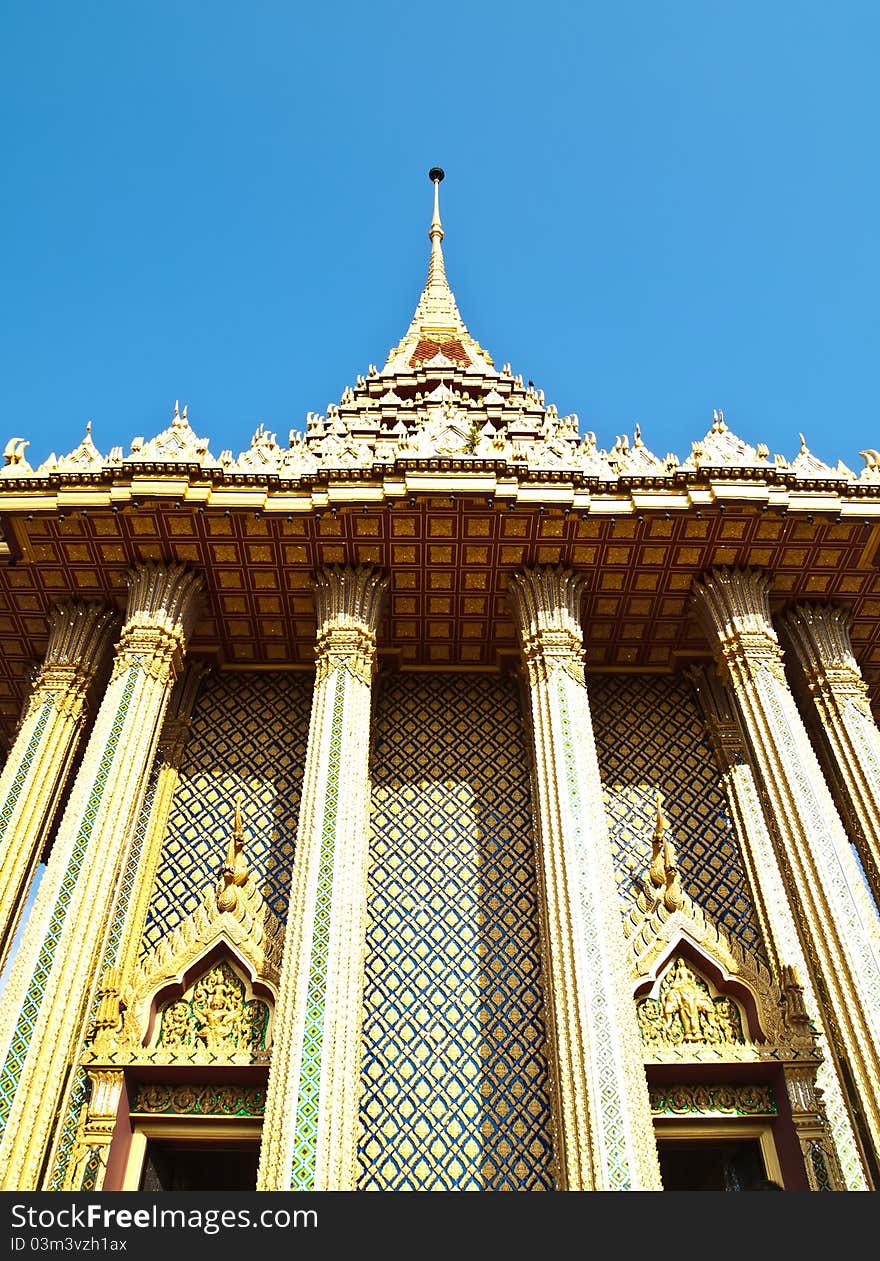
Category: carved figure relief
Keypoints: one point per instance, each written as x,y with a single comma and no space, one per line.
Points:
214,1017
684,1010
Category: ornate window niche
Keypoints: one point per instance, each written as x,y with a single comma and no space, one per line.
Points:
214,1017
692,1011
684,1010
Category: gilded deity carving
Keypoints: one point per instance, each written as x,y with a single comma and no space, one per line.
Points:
685,1011
685,999
214,1018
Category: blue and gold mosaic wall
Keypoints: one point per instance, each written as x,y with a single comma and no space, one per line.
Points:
454,1081
248,735
649,735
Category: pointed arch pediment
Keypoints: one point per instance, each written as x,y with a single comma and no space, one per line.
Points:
248,939
217,1014
699,993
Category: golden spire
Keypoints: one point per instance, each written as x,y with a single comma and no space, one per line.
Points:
657,868
663,869
437,327
436,266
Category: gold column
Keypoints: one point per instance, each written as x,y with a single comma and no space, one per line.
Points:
775,915
39,761
310,1127
604,1132
841,928
817,637
88,1101
172,742
54,976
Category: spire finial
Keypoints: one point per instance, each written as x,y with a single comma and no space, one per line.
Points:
436,267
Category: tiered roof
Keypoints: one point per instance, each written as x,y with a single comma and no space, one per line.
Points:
450,473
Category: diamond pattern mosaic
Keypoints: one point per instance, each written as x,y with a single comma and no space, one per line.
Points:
248,735
455,1092
21,774
649,735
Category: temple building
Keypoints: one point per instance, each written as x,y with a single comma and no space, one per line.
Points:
435,800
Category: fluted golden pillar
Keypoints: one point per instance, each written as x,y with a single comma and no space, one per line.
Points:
604,1132
52,981
169,756
821,871
817,635
40,759
310,1127
778,924
80,1162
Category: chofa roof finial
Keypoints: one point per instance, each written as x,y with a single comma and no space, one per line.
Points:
234,872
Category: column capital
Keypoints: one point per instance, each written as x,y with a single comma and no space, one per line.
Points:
546,602
178,718
162,605
818,636
719,713
78,635
348,603
733,607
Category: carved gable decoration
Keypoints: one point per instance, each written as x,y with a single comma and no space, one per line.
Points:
684,1008
217,1018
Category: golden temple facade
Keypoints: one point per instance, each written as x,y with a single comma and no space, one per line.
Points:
439,801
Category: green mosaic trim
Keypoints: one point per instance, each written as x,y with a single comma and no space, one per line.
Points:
305,1136
198,1100
22,773
30,1009
93,1167
79,1093
736,1100
78,1096
611,1115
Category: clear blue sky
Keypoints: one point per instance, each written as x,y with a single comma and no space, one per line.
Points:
651,208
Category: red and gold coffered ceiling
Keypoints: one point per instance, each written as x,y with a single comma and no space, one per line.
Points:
449,556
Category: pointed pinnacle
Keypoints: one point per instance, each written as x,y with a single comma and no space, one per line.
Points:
436,267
